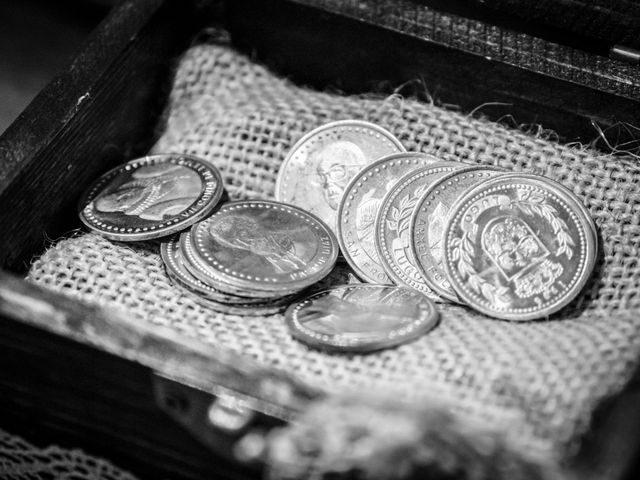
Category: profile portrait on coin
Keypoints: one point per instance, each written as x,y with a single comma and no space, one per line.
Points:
277,247
370,311
337,162
153,192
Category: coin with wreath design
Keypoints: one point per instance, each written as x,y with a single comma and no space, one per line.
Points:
393,239
429,218
360,206
519,247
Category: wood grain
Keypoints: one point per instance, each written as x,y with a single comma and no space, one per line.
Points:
78,373
381,45
100,111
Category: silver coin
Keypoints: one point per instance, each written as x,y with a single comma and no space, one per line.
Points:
247,309
429,218
174,262
317,169
360,206
518,247
361,317
151,197
266,246
392,238
200,270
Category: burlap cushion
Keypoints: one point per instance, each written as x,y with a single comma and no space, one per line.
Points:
539,382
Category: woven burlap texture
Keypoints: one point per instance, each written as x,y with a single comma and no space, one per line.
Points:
20,460
539,381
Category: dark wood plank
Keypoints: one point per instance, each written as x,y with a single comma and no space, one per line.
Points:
100,111
63,393
610,22
379,45
79,375
477,37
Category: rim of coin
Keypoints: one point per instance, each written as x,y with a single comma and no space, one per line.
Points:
399,204
264,308
547,272
365,262
284,180
433,275
322,257
324,337
128,225
174,263
208,276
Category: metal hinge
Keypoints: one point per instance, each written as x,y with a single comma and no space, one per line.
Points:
225,422
625,54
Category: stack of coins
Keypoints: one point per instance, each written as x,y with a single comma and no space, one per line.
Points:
513,246
251,257
247,258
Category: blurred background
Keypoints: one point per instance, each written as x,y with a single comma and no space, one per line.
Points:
37,39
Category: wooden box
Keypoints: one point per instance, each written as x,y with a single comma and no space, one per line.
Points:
79,376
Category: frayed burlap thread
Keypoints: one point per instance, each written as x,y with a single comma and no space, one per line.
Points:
538,382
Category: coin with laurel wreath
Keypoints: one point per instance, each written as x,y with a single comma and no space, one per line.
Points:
319,166
360,206
518,247
393,239
429,218
361,317
151,197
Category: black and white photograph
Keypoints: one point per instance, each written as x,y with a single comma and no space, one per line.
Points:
320,239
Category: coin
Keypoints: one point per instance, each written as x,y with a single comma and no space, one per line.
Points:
181,277
317,169
428,220
392,234
200,270
246,309
151,197
265,246
360,205
361,317
518,247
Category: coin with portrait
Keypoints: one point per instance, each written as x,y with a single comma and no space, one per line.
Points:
518,247
392,233
151,197
181,276
244,310
211,276
360,206
317,169
264,245
429,218
361,317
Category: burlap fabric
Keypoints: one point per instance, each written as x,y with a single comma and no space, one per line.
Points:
538,382
20,460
